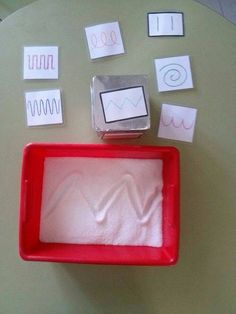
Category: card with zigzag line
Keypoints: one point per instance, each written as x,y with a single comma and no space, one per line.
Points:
124,104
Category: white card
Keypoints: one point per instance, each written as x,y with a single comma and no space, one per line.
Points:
165,24
177,123
104,40
41,62
124,104
43,107
173,73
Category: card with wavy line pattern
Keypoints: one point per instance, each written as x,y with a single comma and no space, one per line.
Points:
124,104
43,107
173,73
177,123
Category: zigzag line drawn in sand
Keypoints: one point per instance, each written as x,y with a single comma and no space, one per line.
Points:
73,182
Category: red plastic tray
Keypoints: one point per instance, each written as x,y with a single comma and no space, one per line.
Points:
32,249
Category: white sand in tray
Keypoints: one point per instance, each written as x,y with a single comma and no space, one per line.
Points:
116,201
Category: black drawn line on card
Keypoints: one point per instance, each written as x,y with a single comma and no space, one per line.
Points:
44,107
173,74
126,101
119,90
172,23
158,26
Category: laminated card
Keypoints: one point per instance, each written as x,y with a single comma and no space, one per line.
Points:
120,106
104,40
173,73
41,62
165,24
177,122
43,107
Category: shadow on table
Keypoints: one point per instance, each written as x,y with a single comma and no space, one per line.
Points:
106,289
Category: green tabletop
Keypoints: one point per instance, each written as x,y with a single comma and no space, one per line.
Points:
204,280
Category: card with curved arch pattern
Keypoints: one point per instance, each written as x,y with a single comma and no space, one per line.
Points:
177,122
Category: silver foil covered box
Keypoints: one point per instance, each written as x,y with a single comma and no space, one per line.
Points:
120,106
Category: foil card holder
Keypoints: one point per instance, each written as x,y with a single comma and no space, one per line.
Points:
120,106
